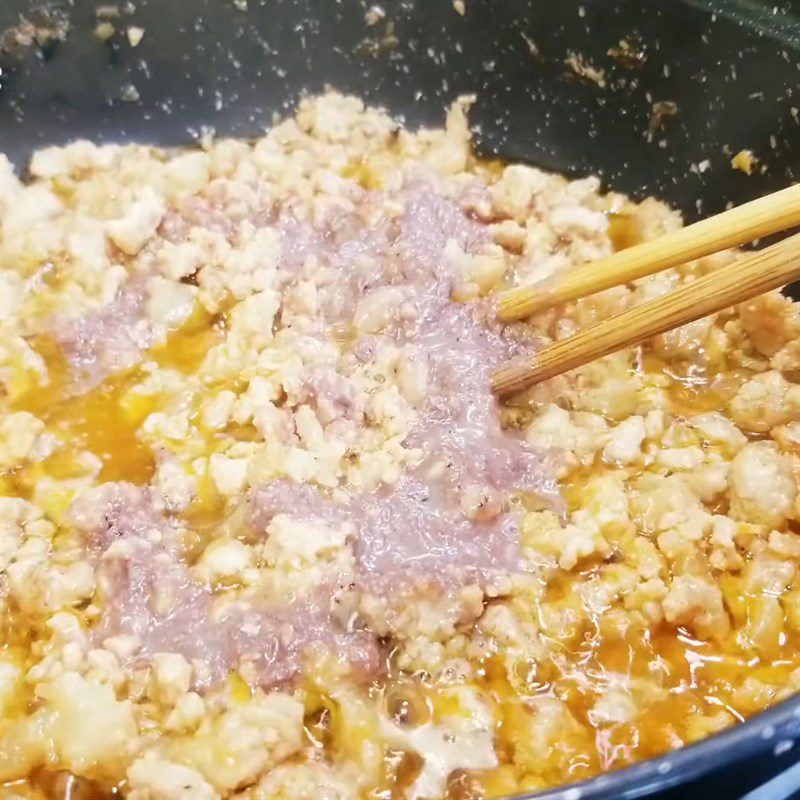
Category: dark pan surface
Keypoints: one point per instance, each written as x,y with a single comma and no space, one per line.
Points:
731,69
205,64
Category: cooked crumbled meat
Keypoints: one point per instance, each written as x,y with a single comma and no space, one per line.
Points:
264,525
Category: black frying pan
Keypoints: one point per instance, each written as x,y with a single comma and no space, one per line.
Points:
730,72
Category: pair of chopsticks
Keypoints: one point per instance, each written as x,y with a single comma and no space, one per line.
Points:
770,268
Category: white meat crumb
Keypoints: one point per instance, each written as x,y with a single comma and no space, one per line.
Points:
224,560
131,231
624,446
171,677
154,778
763,488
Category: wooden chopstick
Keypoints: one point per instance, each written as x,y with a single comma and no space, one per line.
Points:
767,269
769,214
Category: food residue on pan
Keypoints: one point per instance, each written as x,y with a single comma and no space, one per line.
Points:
584,70
374,14
104,30
382,41
135,35
660,111
744,161
265,526
630,56
45,28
